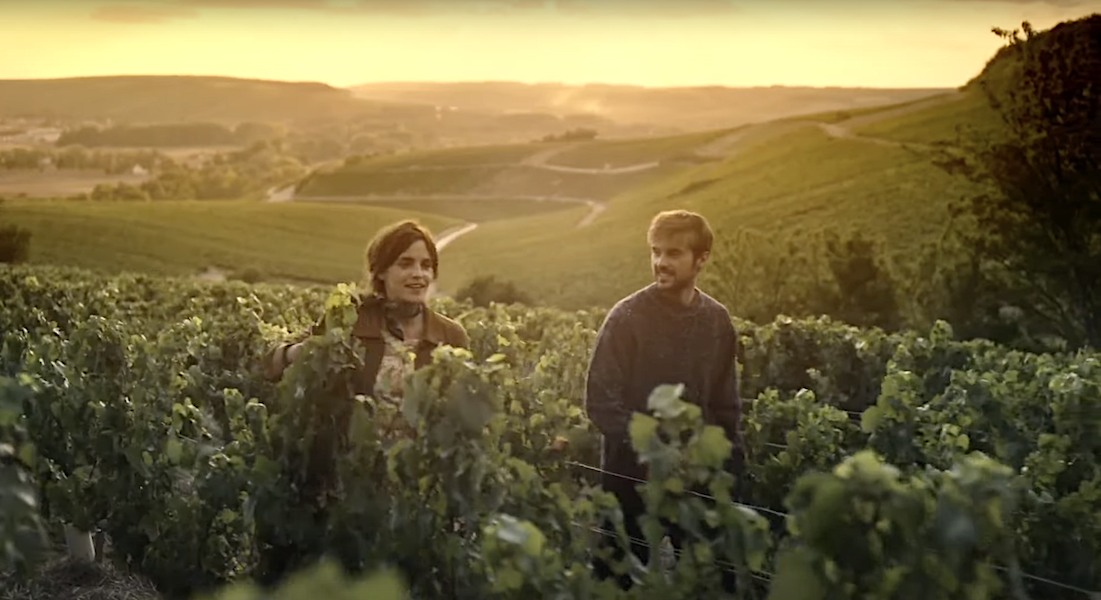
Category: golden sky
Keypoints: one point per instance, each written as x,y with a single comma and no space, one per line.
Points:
885,43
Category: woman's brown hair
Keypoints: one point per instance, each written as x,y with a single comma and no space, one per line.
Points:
389,243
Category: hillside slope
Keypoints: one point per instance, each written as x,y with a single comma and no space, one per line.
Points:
295,242
315,108
794,176
678,108
868,171
181,98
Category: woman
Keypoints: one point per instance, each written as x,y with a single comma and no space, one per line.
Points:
395,321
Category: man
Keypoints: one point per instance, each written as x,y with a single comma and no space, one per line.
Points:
668,332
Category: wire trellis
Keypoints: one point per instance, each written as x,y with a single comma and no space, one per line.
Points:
766,577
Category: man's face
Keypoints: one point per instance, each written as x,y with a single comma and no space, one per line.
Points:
674,266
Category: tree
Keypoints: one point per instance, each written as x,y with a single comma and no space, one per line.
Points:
15,244
865,284
1037,230
483,290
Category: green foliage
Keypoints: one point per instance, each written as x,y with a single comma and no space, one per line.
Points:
112,162
323,580
22,530
1035,227
15,244
581,134
863,529
481,291
149,420
843,274
160,136
246,173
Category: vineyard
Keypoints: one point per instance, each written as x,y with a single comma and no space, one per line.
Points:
879,465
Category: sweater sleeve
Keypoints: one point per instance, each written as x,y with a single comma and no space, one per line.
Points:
607,381
726,405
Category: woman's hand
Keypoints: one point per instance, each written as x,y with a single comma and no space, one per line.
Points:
292,353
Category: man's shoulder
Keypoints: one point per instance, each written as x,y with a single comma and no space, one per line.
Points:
713,307
625,312
710,304
628,305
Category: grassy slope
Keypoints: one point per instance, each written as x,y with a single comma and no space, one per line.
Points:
476,211
307,242
800,179
482,180
625,153
803,179
685,108
449,157
837,116
939,123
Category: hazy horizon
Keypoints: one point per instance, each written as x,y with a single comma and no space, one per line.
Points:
652,43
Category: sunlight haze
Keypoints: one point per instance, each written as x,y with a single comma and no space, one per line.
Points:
914,43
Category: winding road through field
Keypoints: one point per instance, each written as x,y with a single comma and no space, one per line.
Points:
724,147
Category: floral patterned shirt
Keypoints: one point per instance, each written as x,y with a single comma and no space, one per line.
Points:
397,363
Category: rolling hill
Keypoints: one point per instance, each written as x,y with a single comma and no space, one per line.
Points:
666,110
161,99
307,243
776,180
866,169
301,106
566,221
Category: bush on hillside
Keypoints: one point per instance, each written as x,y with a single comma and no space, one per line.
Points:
249,275
581,134
481,291
825,272
865,286
15,243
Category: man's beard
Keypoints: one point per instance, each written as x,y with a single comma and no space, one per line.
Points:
674,283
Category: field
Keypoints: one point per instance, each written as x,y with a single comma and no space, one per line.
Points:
897,465
478,210
939,123
627,153
798,177
663,109
299,242
58,183
774,179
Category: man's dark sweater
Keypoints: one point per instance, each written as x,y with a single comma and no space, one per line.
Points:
647,340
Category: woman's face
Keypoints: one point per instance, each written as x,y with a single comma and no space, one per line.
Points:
410,275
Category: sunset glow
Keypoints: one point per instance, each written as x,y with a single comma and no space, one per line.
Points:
910,43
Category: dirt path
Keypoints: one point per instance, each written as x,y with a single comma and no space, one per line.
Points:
444,240
846,129
540,160
450,235
284,194
746,137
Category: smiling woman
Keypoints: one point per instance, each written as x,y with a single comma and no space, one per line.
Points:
395,323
